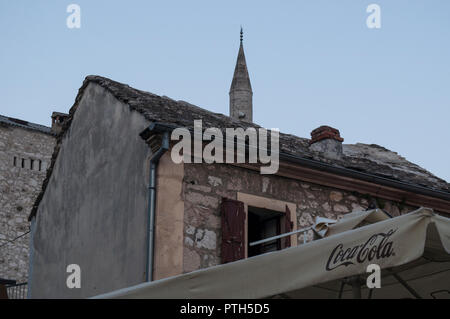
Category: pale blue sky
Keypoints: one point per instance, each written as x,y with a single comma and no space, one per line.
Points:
311,63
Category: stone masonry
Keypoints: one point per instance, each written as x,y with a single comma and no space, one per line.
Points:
205,185
24,156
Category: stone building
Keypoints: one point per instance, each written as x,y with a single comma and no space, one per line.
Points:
25,153
112,178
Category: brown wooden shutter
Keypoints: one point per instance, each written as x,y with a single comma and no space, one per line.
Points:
286,241
233,230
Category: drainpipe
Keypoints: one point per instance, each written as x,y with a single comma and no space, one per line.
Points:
31,256
163,147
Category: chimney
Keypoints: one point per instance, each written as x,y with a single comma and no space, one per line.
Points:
58,120
327,141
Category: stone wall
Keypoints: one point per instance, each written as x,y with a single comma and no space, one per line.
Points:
19,187
205,185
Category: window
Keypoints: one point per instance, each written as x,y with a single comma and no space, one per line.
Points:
262,224
252,218
34,165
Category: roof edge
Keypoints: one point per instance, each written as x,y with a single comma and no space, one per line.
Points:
14,122
347,172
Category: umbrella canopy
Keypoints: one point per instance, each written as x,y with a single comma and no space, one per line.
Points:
413,251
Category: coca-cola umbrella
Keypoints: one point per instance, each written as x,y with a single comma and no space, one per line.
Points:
412,251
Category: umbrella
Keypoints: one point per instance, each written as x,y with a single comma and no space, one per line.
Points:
412,251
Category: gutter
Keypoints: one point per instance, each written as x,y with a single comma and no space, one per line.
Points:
365,176
161,134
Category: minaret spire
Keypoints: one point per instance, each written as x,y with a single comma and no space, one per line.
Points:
241,94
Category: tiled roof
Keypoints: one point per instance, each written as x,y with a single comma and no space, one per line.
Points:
371,159
9,121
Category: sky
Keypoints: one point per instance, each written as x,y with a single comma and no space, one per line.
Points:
311,63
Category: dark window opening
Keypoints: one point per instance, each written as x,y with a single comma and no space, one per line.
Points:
31,164
262,224
40,165
15,161
23,163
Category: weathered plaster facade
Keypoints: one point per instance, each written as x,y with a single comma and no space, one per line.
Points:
94,212
19,187
169,219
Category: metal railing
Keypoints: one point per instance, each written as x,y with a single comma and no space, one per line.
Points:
262,241
17,291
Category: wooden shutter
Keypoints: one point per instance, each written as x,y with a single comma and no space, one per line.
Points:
233,230
286,241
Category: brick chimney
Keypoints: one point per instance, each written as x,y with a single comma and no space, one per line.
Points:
327,141
58,120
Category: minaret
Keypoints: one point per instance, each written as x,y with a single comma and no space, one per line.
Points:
241,95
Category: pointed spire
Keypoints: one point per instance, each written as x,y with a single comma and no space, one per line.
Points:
241,89
241,79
